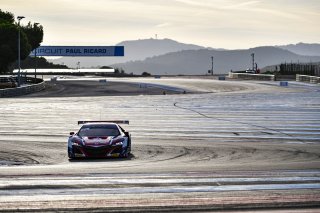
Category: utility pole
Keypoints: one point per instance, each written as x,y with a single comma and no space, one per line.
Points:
19,57
211,65
252,61
35,58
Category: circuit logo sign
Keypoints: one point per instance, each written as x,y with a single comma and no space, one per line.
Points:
78,51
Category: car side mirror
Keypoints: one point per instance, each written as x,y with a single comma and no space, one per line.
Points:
127,134
71,133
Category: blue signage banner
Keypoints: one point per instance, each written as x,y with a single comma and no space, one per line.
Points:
78,51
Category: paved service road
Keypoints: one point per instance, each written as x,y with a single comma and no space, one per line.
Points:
242,145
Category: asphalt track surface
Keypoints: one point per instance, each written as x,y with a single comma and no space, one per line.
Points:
221,146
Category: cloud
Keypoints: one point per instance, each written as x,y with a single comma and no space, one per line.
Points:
166,24
204,22
191,2
241,5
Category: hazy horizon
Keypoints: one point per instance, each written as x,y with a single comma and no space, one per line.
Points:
230,24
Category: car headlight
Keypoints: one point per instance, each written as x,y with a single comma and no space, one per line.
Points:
76,142
118,142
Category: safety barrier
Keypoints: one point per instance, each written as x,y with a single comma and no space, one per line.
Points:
246,76
308,79
23,90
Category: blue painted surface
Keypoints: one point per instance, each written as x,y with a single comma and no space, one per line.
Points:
73,51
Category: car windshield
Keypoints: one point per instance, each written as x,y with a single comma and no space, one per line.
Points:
98,130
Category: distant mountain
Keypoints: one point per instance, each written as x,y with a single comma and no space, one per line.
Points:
166,56
134,50
303,49
199,61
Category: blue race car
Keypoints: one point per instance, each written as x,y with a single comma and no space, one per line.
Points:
99,139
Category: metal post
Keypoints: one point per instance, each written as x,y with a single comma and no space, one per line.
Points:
35,68
19,57
36,61
252,61
211,65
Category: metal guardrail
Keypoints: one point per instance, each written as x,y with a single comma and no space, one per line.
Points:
308,79
247,76
11,92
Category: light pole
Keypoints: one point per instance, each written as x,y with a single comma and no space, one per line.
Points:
211,65
19,19
35,58
252,54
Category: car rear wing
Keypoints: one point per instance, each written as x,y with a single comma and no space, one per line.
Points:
114,121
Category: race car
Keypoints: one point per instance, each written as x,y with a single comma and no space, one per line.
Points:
99,139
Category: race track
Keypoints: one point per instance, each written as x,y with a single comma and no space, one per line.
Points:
242,144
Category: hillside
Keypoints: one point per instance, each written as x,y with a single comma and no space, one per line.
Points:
199,62
303,49
166,56
134,50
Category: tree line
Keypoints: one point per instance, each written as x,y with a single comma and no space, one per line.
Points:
31,35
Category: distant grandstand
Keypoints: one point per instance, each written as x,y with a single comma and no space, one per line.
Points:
312,69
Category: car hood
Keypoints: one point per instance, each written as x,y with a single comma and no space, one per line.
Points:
101,140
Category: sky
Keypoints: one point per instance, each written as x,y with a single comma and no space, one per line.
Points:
230,24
